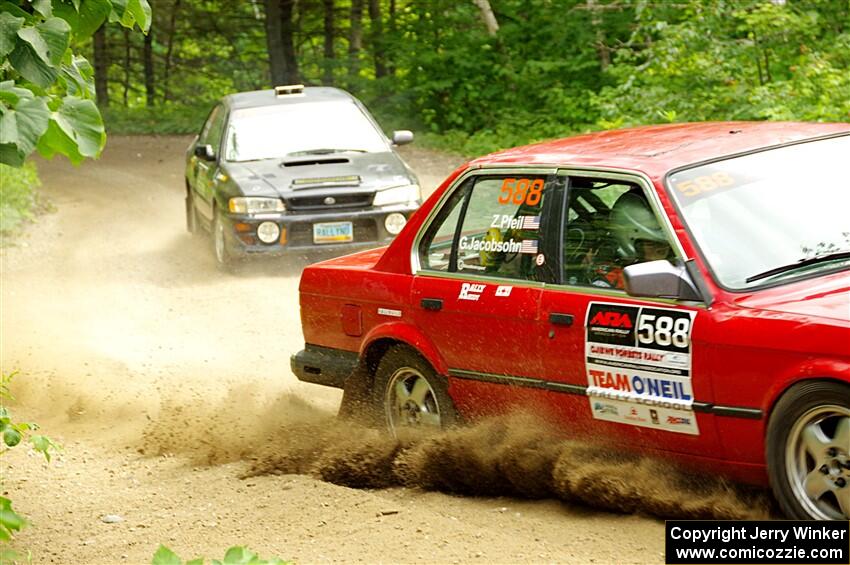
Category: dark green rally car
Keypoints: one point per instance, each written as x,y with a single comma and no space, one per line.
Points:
296,169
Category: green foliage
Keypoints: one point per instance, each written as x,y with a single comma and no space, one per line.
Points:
10,521
46,99
554,68
169,119
12,434
733,61
17,195
236,555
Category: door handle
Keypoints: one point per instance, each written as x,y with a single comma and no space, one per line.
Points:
560,319
432,304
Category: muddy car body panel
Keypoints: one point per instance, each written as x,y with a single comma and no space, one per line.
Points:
728,354
310,165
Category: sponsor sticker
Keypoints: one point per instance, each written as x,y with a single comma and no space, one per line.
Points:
638,359
504,290
470,291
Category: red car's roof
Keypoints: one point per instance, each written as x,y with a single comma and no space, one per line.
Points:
655,150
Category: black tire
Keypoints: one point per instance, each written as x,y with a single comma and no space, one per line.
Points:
808,451
357,405
192,225
425,408
222,253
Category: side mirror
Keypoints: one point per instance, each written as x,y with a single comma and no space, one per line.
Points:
402,137
205,152
660,279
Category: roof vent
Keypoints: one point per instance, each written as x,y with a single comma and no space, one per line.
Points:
288,90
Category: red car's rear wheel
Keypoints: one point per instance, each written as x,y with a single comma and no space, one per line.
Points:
410,394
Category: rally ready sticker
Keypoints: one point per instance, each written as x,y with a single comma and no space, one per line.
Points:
638,362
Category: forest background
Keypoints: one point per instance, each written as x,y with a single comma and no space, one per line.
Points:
468,76
480,75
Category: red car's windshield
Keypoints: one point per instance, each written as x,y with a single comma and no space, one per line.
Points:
770,210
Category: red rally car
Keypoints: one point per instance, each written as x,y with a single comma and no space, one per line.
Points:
679,289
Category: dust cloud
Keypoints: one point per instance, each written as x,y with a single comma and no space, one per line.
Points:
515,455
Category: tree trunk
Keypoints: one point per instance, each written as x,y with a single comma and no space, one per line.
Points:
126,65
393,35
377,37
355,39
290,61
101,68
147,56
488,16
328,63
169,49
274,43
601,47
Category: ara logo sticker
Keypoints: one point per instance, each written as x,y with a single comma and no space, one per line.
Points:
470,291
611,320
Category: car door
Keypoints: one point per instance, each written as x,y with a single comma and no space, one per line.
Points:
629,369
206,171
476,293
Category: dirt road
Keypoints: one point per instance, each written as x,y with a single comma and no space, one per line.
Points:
161,378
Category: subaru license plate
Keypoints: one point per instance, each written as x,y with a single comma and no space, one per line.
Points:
333,232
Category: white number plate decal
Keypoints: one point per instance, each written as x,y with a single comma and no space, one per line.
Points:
638,363
333,232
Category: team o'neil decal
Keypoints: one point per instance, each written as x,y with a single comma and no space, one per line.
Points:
638,362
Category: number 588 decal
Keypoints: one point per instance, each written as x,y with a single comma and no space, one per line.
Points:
521,191
669,330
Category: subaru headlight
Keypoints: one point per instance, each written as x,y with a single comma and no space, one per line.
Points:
408,193
255,205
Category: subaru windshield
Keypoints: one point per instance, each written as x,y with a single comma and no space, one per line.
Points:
772,216
311,128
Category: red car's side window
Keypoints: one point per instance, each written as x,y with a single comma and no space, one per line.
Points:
610,225
490,226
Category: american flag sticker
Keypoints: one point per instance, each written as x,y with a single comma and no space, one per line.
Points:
530,223
528,246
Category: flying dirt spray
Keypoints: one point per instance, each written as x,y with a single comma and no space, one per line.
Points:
507,456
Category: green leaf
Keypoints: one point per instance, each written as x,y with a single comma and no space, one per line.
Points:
165,556
32,67
78,76
130,12
69,13
11,520
9,26
56,35
81,121
11,437
43,7
56,141
14,9
92,15
43,445
198,561
238,555
22,126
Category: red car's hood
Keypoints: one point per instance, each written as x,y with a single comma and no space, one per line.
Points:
823,297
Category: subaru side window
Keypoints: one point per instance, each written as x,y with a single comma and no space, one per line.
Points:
492,228
609,226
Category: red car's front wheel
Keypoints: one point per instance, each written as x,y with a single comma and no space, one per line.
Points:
808,451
